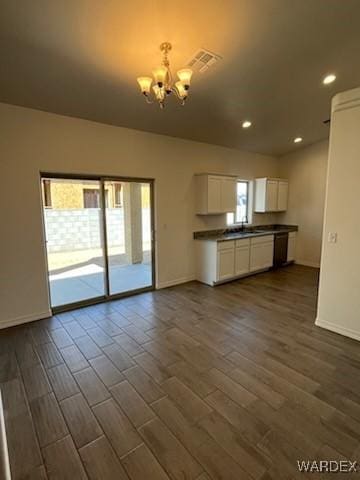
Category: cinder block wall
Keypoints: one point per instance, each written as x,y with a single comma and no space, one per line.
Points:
68,230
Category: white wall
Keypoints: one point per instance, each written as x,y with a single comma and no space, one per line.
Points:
32,141
339,293
306,170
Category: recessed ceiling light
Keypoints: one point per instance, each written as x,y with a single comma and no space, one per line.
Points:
329,79
246,124
298,140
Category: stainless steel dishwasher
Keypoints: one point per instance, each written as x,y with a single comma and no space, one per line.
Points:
280,249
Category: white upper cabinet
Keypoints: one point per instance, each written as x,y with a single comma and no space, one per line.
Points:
272,187
271,195
212,201
228,194
283,195
215,194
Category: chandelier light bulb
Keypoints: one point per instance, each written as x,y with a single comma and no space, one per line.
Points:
160,74
185,75
145,84
159,93
182,92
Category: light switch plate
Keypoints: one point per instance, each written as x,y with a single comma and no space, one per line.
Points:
332,238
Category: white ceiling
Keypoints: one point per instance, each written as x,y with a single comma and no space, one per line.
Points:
81,58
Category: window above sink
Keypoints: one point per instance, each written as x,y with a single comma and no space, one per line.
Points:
241,215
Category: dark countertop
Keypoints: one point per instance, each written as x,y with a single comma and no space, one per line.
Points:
249,232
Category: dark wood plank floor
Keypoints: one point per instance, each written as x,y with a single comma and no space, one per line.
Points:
192,382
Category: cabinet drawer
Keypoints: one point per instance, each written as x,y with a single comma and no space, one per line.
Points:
263,239
225,245
243,242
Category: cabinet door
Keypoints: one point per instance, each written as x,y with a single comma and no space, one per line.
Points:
228,195
291,247
256,257
272,187
242,260
214,194
283,196
268,255
225,264
261,256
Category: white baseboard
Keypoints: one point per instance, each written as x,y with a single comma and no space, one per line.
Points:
347,332
178,281
307,264
25,319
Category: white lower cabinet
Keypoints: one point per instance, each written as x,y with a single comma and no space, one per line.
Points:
242,257
262,253
256,258
228,259
291,247
225,264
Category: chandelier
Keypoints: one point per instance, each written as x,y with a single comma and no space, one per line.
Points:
163,79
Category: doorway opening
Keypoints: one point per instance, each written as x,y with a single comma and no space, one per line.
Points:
99,238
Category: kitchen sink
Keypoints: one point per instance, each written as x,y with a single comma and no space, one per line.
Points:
245,233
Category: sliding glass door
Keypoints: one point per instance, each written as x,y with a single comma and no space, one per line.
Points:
98,238
128,235
74,241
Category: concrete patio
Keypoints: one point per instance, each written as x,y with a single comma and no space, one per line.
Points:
76,252
81,282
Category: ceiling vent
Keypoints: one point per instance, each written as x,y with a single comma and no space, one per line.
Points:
203,60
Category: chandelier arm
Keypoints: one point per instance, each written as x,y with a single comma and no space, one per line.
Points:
170,77
174,90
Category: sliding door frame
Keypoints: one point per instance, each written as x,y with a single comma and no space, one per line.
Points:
103,226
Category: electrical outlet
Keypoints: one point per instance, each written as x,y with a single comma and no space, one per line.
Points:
332,238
